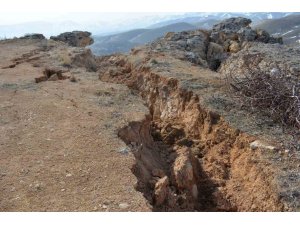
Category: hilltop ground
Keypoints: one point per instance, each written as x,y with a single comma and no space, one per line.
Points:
155,130
59,148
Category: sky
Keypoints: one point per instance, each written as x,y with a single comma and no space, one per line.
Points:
15,24
10,18
105,16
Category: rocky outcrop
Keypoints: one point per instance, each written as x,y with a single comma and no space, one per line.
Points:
33,36
75,38
209,48
263,58
233,33
187,45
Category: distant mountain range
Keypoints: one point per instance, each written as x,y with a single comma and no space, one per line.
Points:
214,17
288,27
121,36
277,23
123,42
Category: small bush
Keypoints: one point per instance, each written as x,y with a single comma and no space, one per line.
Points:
65,59
274,93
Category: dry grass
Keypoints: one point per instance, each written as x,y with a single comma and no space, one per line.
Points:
65,59
276,93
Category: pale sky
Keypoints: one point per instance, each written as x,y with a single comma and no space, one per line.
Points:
18,11
9,18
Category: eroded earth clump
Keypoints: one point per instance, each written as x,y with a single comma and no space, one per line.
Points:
160,130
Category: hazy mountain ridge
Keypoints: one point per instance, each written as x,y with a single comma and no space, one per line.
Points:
288,27
123,42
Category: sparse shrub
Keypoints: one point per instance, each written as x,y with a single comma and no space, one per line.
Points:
65,59
51,43
275,93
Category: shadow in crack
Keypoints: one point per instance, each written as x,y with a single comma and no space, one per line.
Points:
169,175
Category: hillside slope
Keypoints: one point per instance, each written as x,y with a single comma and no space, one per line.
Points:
123,42
288,27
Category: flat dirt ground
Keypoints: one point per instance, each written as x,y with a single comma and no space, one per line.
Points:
59,149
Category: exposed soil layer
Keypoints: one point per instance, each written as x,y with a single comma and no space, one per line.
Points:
192,147
188,157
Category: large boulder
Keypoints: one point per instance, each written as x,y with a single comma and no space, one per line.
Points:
228,29
186,45
75,38
238,29
231,25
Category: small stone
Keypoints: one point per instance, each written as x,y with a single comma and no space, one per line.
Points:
123,205
104,206
161,190
263,146
37,187
253,145
124,150
253,206
63,190
73,79
68,175
286,151
53,78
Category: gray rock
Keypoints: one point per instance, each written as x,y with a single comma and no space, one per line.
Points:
246,34
75,38
261,145
262,36
123,205
33,36
231,25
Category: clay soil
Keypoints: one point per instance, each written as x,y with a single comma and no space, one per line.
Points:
163,136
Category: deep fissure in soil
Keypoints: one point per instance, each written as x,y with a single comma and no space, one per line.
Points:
188,158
